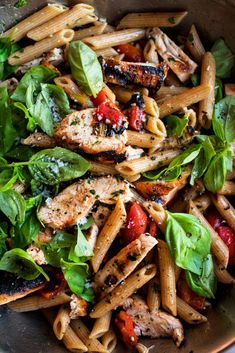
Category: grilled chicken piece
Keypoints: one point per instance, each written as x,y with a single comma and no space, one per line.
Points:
124,263
10,84
163,190
155,324
178,61
76,201
39,139
100,215
81,130
124,73
78,307
37,254
12,287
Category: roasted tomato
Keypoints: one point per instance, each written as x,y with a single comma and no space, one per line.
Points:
132,53
186,293
125,326
153,228
136,223
135,113
56,284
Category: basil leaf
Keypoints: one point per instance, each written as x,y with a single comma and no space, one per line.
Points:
31,125
188,240
21,153
36,75
154,174
85,67
218,90
52,166
224,58
173,174
20,263
223,119
77,274
205,284
8,177
12,204
175,125
215,175
81,251
3,237
185,157
202,161
8,133
7,47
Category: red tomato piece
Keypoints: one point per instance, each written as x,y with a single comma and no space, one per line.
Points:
153,229
228,236
186,293
136,223
136,116
125,326
100,98
131,53
214,218
56,284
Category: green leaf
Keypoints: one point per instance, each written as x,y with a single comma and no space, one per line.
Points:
20,263
172,174
223,119
195,79
224,58
8,178
205,284
3,237
21,153
77,274
8,133
87,224
188,240
7,47
81,251
85,67
154,174
218,90
37,75
12,204
175,125
21,3
31,125
186,157
52,166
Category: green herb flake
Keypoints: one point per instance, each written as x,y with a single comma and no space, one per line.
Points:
190,37
172,20
21,3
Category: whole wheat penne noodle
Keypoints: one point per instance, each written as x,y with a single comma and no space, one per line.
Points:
108,234
73,91
22,28
157,213
61,322
167,278
110,94
191,115
144,164
123,94
67,19
155,126
188,314
124,290
71,341
131,255
90,31
228,188
172,142
152,19
225,208
109,340
83,333
34,51
206,105
150,52
102,169
145,140
132,178
150,106
37,302
222,274
190,96
106,52
194,45
112,39
172,79
166,91
39,139
202,202
101,326
153,295
218,247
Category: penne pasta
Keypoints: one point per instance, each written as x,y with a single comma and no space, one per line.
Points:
144,164
202,202
150,106
188,314
206,106
34,51
157,213
101,326
225,208
228,188
166,91
167,278
20,30
146,140
150,52
108,234
124,290
222,274
106,52
37,302
68,19
152,19
155,126
112,39
102,169
153,295
95,30
190,96
194,45
109,340
61,322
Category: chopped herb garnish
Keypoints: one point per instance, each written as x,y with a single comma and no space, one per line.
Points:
92,191
171,20
190,37
75,122
21,3
118,192
171,58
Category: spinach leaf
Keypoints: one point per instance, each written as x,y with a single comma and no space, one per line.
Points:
7,47
223,119
12,204
31,125
21,153
188,240
3,237
20,263
37,75
52,166
175,125
224,58
81,251
205,284
8,133
85,67
218,90
8,177
77,274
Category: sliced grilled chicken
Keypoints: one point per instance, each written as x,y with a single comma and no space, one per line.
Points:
124,73
37,254
178,61
101,214
121,265
78,307
155,324
162,190
39,139
76,201
81,130
12,287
